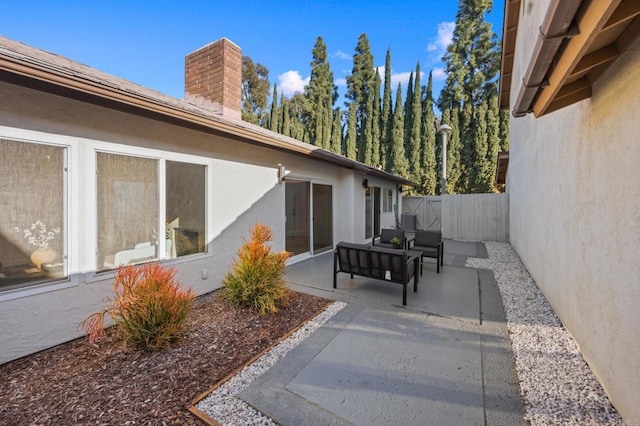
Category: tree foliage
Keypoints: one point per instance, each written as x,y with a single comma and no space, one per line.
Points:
402,137
398,163
360,90
386,114
255,92
320,95
428,178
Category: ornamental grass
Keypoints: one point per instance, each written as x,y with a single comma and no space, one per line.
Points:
256,278
149,307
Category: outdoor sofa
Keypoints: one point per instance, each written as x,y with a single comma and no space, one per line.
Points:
392,265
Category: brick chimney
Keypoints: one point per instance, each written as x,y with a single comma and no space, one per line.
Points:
213,77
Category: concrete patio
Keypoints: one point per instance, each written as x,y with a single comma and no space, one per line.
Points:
444,359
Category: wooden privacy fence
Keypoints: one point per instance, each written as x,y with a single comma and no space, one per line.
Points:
479,217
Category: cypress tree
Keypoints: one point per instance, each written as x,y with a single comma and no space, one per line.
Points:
296,116
467,147
428,177
375,122
408,110
398,163
327,124
336,132
476,175
472,59
286,123
453,153
493,145
274,114
320,95
472,62
413,151
504,130
360,87
386,116
350,139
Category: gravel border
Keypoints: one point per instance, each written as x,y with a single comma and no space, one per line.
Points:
222,404
556,383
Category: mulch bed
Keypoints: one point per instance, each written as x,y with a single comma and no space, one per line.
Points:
107,383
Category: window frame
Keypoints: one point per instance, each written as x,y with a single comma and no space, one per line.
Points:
80,221
69,233
161,157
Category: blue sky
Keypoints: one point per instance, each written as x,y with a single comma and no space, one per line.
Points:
146,42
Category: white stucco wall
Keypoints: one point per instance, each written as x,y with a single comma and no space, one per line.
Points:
243,190
575,215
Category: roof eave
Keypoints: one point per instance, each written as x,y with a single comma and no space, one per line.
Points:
239,130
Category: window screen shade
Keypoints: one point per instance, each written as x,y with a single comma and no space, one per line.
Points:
127,206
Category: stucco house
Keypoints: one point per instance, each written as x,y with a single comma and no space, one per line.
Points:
100,172
571,77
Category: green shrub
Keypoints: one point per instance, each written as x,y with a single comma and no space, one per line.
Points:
255,280
149,308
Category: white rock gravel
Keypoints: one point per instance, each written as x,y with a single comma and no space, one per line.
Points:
556,383
223,405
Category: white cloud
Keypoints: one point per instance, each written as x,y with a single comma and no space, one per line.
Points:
292,82
443,39
341,82
402,77
341,55
439,74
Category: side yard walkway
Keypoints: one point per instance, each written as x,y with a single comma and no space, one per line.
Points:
556,383
444,359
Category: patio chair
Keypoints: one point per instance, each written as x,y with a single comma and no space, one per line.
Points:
385,237
430,244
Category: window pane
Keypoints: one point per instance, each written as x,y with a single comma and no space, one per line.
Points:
127,210
32,194
186,194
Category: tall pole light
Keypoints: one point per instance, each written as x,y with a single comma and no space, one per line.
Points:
443,130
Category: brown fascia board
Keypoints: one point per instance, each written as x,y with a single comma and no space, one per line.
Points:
509,34
18,69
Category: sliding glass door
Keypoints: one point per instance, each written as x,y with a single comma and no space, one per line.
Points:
297,203
322,218
309,217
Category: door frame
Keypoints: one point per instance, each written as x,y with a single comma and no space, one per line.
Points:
317,181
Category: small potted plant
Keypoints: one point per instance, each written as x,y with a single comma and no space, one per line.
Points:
397,243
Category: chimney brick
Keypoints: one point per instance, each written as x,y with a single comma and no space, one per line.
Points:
214,73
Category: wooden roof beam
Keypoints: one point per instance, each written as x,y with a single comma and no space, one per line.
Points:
590,21
625,12
571,93
597,58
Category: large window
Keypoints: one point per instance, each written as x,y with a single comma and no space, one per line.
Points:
128,207
32,214
185,209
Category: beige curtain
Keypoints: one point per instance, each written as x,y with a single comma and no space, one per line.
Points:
127,203
31,190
